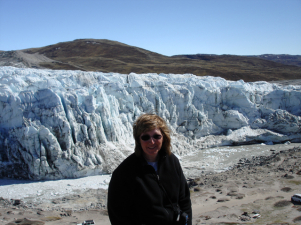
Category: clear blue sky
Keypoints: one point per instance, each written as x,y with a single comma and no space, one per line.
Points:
169,27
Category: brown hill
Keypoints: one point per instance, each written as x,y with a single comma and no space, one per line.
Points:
286,59
282,58
111,56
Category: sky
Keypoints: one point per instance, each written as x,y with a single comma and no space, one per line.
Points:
168,27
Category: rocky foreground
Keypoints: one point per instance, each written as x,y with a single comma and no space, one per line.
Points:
260,187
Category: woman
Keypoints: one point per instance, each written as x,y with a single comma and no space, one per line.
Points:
149,186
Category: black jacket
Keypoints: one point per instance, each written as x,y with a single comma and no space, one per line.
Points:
135,196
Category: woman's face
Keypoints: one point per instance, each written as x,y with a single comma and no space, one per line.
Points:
151,143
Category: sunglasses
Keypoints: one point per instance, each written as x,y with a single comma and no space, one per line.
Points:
146,137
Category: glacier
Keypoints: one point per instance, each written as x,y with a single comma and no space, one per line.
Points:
58,124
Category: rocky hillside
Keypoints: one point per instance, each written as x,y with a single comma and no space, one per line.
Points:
111,56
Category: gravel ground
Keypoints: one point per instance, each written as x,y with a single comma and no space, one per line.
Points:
258,185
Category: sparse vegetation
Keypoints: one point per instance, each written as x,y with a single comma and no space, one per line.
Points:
52,218
26,221
282,203
198,179
286,189
296,182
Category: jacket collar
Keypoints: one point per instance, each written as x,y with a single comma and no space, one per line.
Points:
161,156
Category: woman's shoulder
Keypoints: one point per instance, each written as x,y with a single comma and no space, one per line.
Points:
173,158
127,165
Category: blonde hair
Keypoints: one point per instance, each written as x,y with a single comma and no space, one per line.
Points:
147,122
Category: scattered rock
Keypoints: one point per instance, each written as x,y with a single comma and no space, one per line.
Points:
197,189
223,200
231,193
17,202
269,198
223,216
56,201
237,195
240,196
66,213
192,183
245,214
245,218
205,217
288,176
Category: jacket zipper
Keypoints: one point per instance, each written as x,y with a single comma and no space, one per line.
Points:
178,216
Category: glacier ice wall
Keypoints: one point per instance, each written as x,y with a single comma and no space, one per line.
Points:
67,124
